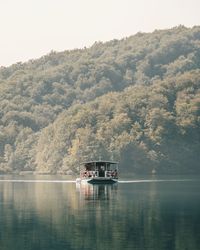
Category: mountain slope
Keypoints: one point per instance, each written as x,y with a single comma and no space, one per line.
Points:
136,100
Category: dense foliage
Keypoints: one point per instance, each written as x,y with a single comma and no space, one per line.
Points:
136,100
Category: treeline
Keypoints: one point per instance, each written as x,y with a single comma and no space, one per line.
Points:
136,100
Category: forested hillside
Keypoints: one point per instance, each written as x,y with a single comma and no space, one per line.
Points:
136,100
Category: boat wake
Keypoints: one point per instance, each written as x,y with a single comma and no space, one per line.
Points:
143,181
74,181
39,181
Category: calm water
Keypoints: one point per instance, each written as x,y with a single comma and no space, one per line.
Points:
130,215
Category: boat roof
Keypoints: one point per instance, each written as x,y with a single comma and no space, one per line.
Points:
99,161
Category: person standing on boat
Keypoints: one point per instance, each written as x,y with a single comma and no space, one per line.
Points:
101,172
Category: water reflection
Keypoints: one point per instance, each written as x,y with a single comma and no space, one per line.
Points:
55,216
97,192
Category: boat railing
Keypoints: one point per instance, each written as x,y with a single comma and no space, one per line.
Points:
111,173
88,174
95,173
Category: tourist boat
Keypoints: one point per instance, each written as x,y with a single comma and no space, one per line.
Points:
98,172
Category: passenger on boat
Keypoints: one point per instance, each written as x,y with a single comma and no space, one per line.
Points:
114,173
108,174
85,174
101,172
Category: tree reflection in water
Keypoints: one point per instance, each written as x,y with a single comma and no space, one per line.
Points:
58,216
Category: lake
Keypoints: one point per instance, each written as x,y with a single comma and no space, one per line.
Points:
55,213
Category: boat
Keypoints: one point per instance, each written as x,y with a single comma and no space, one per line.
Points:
98,172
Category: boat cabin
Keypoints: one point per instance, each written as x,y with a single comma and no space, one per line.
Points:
104,169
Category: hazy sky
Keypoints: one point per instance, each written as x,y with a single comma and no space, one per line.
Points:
32,28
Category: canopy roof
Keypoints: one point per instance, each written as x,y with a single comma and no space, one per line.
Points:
100,161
